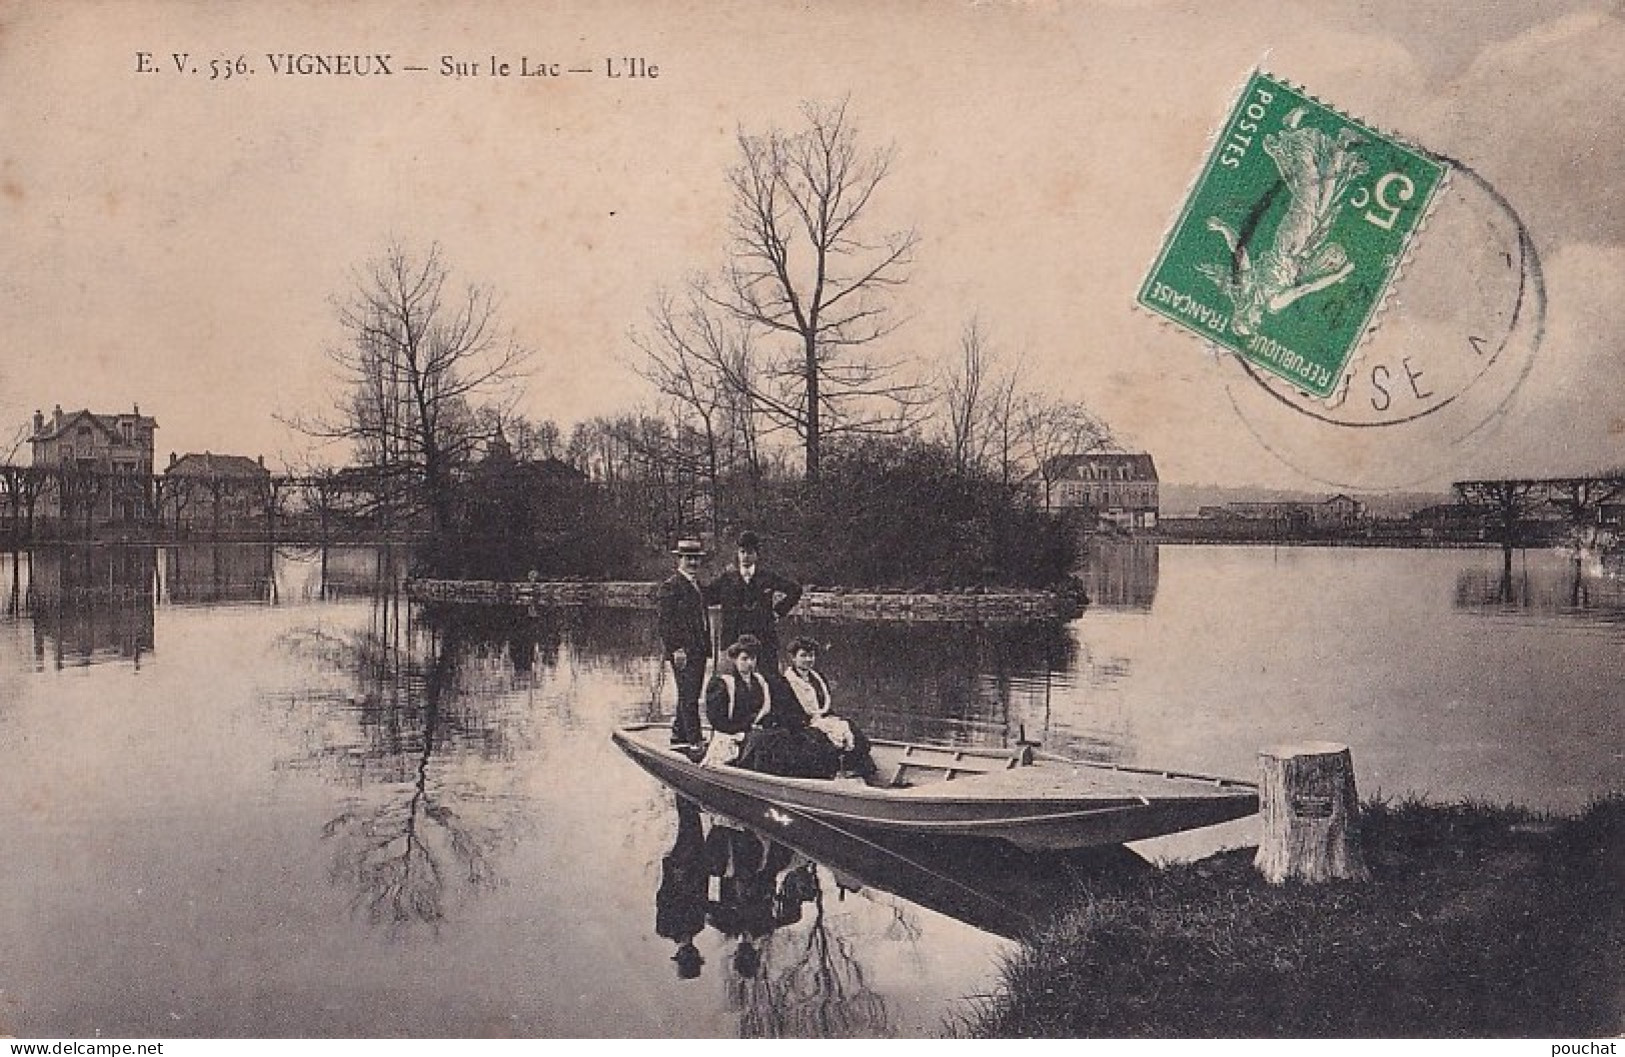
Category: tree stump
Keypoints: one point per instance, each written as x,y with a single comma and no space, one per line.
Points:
1311,814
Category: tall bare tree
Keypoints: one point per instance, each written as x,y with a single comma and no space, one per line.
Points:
686,358
1004,420
419,355
971,389
702,359
803,264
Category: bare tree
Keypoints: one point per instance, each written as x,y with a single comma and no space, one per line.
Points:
686,359
535,438
1055,430
968,394
418,357
528,439
802,265
1003,420
20,485
1581,500
1508,505
703,360
986,407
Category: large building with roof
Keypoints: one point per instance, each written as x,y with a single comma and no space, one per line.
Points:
106,460
218,493
1119,488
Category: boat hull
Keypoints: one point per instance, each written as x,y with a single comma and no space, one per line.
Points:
1050,804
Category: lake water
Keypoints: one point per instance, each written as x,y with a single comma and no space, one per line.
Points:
252,794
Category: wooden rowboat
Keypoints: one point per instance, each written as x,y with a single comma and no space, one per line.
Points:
1032,799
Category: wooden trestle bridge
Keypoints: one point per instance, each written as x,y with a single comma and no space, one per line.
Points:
79,500
1508,503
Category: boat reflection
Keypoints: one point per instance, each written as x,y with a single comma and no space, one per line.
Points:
763,879
766,864
748,886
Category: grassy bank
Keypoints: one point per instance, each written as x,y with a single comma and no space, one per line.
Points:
1477,922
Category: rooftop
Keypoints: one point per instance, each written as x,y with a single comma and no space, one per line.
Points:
209,464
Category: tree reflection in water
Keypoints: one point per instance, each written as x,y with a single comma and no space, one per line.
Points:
789,984
1589,589
397,854
410,722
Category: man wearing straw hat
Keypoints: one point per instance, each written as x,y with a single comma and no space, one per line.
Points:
685,636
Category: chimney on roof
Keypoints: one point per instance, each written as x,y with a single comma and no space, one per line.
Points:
262,462
172,459
138,411
39,423
56,417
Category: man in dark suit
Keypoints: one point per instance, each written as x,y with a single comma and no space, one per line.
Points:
685,636
754,600
684,895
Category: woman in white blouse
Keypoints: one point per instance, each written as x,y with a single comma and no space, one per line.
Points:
811,693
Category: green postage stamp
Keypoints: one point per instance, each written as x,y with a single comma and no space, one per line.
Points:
1291,235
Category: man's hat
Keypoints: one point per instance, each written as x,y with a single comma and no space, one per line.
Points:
690,548
748,541
688,961
747,644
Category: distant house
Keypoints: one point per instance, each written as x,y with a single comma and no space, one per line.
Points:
1453,521
1119,488
217,493
1340,511
106,461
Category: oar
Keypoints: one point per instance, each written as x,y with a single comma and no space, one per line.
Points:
659,684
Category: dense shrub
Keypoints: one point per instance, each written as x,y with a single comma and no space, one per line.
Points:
885,514
896,514
515,520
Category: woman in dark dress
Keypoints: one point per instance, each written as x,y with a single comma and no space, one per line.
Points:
736,704
830,744
781,725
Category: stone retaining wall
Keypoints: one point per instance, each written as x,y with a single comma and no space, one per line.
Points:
815,603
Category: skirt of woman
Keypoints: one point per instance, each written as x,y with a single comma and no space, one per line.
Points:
804,753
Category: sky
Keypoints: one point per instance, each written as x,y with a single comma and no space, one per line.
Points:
177,243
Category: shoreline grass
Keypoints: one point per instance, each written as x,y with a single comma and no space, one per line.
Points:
1478,922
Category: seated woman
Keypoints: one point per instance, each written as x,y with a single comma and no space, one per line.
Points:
757,723
833,737
735,703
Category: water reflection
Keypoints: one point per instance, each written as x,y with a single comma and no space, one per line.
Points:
87,603
942,681
218,573
789,973
808,982
1121,573
340,773
359,572
408,722
1588,587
